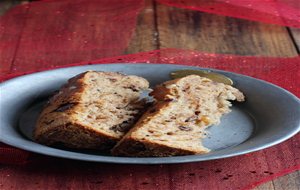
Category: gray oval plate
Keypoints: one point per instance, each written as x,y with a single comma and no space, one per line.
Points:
269,116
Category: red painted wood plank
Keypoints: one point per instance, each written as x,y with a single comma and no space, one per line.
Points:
61,32
10,33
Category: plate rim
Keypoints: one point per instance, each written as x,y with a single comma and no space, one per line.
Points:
148,160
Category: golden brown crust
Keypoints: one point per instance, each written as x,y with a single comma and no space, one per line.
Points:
133,148
85,138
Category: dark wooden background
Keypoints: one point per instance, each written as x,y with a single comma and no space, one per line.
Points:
170,27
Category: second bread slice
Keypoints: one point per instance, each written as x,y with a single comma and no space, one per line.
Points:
176,123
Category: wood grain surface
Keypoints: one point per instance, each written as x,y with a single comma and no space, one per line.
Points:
295,35
159,26
145,36
186,29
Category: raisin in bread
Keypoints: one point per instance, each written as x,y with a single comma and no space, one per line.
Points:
93,110
176,123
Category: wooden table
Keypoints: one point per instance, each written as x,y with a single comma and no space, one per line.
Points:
186,29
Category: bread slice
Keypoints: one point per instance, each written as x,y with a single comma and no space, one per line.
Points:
176,123
93,110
